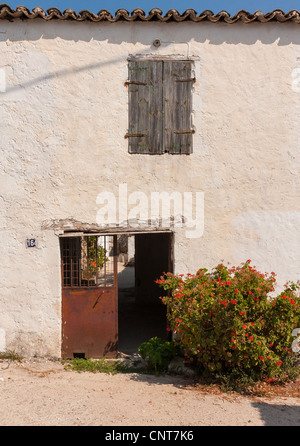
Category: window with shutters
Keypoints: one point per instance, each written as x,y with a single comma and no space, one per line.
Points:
160,106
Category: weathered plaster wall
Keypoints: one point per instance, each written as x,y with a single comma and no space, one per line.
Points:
63,118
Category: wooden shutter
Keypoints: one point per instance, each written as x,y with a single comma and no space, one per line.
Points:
177,106
145,107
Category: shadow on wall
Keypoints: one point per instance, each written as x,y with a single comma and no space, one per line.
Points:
118,34
278,414
214,34
126,278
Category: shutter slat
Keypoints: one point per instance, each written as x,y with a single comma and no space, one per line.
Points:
177,99
145,107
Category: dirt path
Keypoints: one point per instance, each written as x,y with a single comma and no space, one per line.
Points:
45,394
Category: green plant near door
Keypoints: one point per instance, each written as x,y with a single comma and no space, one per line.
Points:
158,353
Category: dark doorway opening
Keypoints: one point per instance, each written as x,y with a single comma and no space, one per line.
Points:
142,259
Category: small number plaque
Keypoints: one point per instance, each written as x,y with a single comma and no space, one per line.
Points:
31,243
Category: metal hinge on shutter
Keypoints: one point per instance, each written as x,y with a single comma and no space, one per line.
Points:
135,83
137,135
179,132
192,79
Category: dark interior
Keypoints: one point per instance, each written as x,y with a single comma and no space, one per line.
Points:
141,314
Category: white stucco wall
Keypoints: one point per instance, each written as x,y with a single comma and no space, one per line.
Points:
63,118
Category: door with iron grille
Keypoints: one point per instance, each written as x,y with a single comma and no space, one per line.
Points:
89,296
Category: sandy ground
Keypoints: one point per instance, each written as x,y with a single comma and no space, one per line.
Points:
43,393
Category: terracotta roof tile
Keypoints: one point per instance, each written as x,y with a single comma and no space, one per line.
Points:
21,12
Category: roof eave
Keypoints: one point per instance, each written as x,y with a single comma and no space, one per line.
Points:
155,14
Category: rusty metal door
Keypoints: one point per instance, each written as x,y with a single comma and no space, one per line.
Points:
89,296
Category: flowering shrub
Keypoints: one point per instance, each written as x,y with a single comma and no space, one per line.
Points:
228,322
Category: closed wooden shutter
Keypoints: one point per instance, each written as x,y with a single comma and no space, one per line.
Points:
160,107
145,107
177,100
